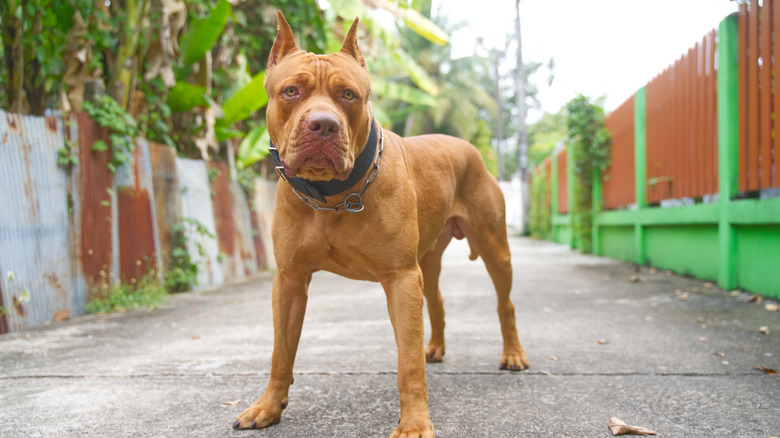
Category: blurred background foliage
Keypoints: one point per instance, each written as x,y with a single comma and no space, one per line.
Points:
190,72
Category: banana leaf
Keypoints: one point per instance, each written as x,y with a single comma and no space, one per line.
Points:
402,92
202,34
254,147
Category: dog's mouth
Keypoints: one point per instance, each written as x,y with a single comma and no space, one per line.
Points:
317,163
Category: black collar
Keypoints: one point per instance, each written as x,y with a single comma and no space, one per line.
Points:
320,189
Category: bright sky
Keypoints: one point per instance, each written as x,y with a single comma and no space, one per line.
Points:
600,47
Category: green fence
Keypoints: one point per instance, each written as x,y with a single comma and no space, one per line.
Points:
731,237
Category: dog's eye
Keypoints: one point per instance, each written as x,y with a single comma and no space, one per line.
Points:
290,91
349,94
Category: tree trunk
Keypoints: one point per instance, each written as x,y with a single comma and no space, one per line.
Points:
14,56
34,79
522,136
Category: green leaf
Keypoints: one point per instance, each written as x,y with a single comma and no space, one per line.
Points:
225,133
99,146
416,73
254,147
402,92
349,9
245,101
184,97
424,27
203,33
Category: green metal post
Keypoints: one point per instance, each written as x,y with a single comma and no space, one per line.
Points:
640,171
597,204
728,142
573,243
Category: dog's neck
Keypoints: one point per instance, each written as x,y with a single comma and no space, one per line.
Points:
320,189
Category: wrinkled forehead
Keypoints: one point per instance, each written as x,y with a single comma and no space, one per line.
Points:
309,67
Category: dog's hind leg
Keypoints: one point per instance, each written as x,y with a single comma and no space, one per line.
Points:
485,229
499,265
430,265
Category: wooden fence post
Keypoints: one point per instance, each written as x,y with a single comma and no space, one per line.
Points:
640,172
728,142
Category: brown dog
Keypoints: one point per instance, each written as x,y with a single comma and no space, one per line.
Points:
369,205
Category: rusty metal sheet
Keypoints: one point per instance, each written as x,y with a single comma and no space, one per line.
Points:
245,248
35,271
94,209
196,205
222,203
137,231
167,198
264,202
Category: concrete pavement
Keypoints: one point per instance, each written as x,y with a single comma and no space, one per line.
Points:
599,344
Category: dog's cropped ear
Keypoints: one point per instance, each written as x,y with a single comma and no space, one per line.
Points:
284,44
350,46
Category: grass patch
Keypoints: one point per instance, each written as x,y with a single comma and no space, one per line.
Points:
121,297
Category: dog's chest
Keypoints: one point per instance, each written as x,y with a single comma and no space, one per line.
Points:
341,247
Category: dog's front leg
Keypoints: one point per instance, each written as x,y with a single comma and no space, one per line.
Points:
289,297
405,303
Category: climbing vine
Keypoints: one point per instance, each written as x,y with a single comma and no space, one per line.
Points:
121,126
589,154
540,221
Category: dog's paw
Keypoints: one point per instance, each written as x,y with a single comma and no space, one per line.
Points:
514,361
434,353
259,415
421,431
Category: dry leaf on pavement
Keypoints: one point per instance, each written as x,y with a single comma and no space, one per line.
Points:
772,307
769,371
764,329
230,403
619,427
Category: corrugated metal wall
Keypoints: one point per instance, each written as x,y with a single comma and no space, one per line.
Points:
35,245
138,241
196,205
65,233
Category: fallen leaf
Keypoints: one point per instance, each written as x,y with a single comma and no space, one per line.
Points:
702,339
194,338
700,320
652,271
62,315
721,355
602,341
756,298
769,371
708,285
684,297
619,427
553,357
735,293
633,279
764,329
678,292
230,403
772,307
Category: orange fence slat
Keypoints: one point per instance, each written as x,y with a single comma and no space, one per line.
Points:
759,98
563,192
618,183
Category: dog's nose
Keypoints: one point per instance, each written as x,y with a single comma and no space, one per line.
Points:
323,124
